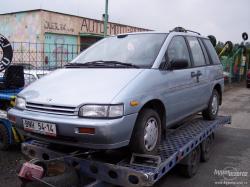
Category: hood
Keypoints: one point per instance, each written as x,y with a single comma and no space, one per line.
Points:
73,87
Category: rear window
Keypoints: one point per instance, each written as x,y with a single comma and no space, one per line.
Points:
211,52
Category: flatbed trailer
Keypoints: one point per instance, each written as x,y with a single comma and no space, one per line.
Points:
124,169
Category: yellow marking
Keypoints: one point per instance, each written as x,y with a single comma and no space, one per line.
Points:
12,102
21,136
16,138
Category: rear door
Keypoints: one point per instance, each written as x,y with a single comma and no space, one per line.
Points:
199,73
215,69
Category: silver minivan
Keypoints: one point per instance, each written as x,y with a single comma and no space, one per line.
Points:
125,90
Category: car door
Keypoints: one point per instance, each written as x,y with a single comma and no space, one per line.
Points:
199,74
179,99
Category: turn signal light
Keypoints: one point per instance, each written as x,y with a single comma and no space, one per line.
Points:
83,130
134,103
11,118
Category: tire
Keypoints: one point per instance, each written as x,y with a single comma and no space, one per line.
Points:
244,36
7,52
68,179
211,112
206,146
192,162
140,143
4,138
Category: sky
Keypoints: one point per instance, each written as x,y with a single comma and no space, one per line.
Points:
225,19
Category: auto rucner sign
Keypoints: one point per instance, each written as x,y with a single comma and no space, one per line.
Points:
6,53
73,25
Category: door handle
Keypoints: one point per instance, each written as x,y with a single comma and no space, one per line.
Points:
197,75
193,74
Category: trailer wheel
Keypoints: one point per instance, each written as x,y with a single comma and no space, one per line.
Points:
4,138
68,178
206,148
190,164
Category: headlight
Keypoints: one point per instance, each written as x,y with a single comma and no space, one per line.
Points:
101,111
20,103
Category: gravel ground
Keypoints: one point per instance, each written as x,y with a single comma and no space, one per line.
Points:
232,148
8,165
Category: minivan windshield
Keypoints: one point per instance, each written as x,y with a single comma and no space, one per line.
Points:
131,50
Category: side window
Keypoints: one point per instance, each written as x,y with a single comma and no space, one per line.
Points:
177,49
211,51
196,51
208,61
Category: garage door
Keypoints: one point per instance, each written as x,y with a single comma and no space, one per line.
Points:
59,49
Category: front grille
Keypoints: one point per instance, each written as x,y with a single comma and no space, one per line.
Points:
51,109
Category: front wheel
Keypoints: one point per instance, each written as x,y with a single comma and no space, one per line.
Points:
147,132
4,138
211,112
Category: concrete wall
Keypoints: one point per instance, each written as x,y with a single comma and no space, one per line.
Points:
21,27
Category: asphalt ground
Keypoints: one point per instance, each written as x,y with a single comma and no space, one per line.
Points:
230,151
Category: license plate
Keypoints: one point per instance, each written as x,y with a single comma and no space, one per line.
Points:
39,127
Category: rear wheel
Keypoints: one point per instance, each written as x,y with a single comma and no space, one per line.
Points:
211,112
147,132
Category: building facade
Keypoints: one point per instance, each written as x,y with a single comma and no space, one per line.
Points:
51,37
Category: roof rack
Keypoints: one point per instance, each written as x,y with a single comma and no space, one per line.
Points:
181,29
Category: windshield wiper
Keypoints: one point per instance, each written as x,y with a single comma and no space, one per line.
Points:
118,64
74,64
102,63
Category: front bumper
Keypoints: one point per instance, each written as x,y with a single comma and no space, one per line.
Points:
109,133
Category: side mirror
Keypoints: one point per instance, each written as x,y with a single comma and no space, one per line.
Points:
178,64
